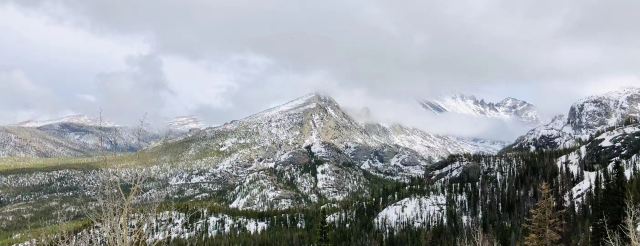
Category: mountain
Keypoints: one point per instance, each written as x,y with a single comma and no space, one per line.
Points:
311,144
431,146
507,109
598,132
291,156
585,118
185,124
617,144
503,175
72,136
594,113
72,119
31,142
307,168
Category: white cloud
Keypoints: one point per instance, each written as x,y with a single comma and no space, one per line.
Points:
20,97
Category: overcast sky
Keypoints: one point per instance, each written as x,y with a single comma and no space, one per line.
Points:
223,60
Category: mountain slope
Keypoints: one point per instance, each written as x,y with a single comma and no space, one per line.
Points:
310,149
31,142
585,118
507,109
302,154
72,136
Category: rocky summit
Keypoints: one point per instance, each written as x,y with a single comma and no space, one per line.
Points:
585,118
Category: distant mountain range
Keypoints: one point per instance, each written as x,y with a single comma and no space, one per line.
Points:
72,138
71,119
507,109
80,135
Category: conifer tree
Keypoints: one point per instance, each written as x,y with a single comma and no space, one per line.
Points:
598,229
614,198
544,225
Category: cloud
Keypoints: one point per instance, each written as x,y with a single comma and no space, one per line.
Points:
224,60
20,97
141,89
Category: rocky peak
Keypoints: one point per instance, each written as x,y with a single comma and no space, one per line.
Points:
597,112
508,108
585,118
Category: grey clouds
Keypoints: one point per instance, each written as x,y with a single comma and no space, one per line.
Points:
222,60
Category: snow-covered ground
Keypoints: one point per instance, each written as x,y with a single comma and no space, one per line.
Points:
412,212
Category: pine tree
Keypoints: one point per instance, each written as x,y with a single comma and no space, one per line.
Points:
322,230
598,229
614,198
544,225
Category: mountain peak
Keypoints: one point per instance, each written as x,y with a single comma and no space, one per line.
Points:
596,112
585,118
512,101
308,101
317,97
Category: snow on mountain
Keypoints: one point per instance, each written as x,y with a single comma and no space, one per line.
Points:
185,124
585,118
311,144
507,109
415,212
300,153
553,135
432,146
94,139
31,142
598,112
617,144
71,136
75,119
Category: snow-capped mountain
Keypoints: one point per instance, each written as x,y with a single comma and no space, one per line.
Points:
598,112
294,155
311,144
74,119
286,124
507,109
185,124
585,118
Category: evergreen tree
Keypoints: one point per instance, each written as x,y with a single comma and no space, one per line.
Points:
614,198
544,225
322,229
598,228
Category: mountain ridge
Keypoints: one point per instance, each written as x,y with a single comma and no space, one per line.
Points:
508,108
585,118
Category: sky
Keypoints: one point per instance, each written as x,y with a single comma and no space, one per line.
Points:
224,60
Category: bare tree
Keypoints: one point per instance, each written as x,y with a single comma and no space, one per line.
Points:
474,236
122,212
630,228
